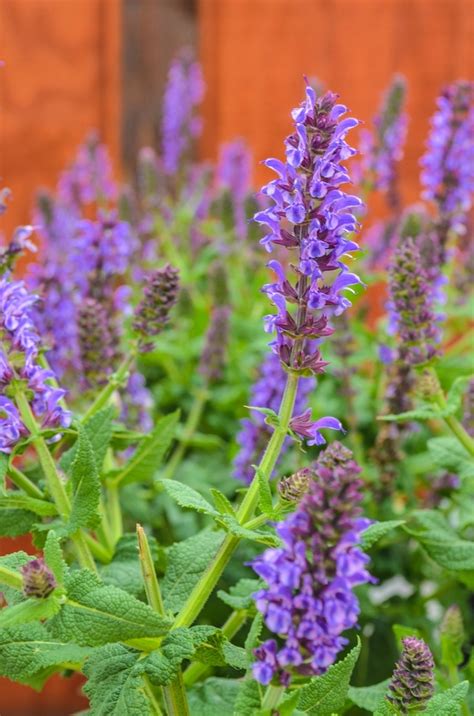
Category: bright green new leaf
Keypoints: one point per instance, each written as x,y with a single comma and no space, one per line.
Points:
376,531
368,697
431,529
231,525
221,502
187,497
99,431
53,556
448,702
29,610
214,696
265,500
85,486
14,500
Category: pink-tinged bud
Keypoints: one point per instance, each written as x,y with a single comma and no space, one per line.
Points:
38,580
412,683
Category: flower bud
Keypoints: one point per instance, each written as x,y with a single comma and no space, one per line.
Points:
38,580
159,296
452,637
412,683
293,488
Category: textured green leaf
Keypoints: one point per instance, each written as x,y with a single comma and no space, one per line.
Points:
14,500
327,694
186,561
221,502
231,525
449,454
28,649
187,497
29,610
376,531
14,523
99,431
96,614
239,595
265,500
456,392
368,697
144,464
440,541
85,486
162,665
214,697
254,634
115,684
249,699
213,648
447,703
53,556
124,570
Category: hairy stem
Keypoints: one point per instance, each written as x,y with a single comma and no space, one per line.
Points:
24,483
10,578
452,422
202,591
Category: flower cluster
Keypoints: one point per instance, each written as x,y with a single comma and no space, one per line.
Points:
95,340
309,601
89,178
448,165
382,149
410,305
233,175
412,683
159,296
313,219
184,91
267,392
19,361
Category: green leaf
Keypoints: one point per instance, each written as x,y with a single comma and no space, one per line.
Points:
265,500
448,702
186,561
429,411
327,694
53,556
431,529
231,525
249,699
214,697
95,614
3,465
30,610
115,684
401,632
85,486
28,649
124,570
449,454
143,465
14,561
14,523
187,497
99,431
254,634
376,531
163,664
13,500
239,595
221,502
368,697
456,392
213,648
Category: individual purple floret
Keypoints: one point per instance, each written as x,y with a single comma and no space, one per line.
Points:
180,125
38,579
412,683
19,352
382,149
410,305
267,392
89,178
313,219
159,296
233,175
308,601
448,166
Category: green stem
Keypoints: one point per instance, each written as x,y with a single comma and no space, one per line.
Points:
197,670
150,580
99,551
115,512
116,380
202,591
150,692
272,697
24,483
174,694
192,423
452,422
53,480
10,578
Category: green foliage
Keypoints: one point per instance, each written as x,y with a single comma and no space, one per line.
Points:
214,697
96,614
124,570
187,497
85,486
375,532
368,697
30,610
448,702
239,595
249,699
53,556
98,429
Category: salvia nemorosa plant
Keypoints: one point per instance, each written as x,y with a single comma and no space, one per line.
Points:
128,359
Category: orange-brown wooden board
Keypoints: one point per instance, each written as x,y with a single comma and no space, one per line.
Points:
256,51
61,78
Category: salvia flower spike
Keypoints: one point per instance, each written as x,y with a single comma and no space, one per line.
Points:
308,600
412,683
159,296
38,580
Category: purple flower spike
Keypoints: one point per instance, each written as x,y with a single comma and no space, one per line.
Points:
89,178
303,426
184,91
233,175
308,601
159,296
38,580
412,683
314,219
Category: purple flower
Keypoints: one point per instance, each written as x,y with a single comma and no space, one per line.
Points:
233,175
159,296
184,91
96,347
38,579
412,683
410,305
89,178
19,351
308,601
313,218
303,426
448,166
382,149
267,392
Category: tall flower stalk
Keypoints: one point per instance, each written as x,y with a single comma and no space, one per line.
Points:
313,219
